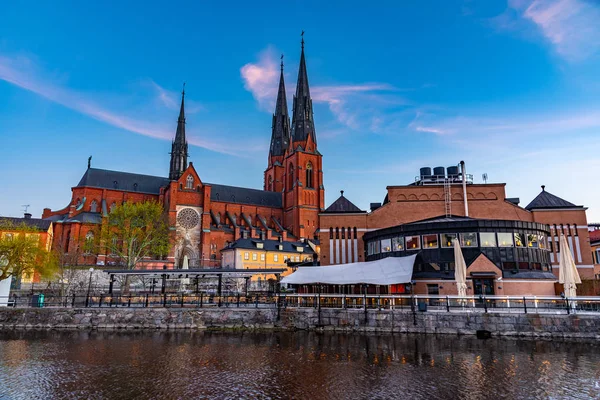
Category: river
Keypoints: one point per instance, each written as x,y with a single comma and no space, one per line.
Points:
299,365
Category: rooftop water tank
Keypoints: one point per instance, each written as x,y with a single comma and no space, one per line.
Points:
452,171
425,172
439,171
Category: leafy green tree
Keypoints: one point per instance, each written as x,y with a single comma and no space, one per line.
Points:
21,252
133,231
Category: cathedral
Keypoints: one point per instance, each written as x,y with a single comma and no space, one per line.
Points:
207,217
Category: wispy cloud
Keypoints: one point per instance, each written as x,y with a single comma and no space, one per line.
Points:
261,78
24,72
571,26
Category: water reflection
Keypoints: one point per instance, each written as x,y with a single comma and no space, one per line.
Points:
99,365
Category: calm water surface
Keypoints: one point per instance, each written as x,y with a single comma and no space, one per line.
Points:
189,365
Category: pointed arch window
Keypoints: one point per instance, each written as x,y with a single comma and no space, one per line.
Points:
270,183
94,206
291,177
189,184
309,176
113,206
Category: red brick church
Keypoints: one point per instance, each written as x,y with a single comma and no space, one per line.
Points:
206,217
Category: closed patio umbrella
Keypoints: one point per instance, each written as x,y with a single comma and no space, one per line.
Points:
460,270
568,274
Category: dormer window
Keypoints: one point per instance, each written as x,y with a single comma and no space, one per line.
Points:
135,185
115,184
189,182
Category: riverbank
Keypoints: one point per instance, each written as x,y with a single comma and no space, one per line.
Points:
339,320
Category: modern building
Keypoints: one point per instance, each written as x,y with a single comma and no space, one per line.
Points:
508,249
207,217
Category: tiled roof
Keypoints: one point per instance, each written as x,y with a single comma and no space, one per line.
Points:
270,245
548,200
239,195
105,179
595,235
37,223
343,205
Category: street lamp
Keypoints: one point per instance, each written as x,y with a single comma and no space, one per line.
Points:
87,298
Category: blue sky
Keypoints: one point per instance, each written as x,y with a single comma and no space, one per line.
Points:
511,87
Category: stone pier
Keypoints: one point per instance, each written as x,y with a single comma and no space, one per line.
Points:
396,321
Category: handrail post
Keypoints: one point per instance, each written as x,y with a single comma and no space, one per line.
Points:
524,304
72,302
129,301
485,304
146,300
447,303
568,308
87,300
164,299
181,300
238,300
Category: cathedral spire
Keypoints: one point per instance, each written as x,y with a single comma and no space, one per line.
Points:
179,147
280,134
302,119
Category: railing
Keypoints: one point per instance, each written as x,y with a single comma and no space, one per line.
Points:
415,303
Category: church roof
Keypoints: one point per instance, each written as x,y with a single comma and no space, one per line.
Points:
548,200
343,205
240,195
105,179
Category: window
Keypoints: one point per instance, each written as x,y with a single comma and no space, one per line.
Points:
297,258
532,241
285,258
386,245
337,233
262,257
398,243
370,248
330,233
468,240
509,265
291,177
488,239
447,239
309,176
189,183
276,257
113,206
246,256
550,246
412,242
430,241
519,242
350,233
523,265
343,233
505,239
542,241
94,206
270,183
254,257
377,247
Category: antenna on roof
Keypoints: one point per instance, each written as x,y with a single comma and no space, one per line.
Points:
25,206
484,177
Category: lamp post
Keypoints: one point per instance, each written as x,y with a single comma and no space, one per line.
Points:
87,298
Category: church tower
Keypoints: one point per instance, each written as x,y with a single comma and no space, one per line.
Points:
179,147
304,193
280,139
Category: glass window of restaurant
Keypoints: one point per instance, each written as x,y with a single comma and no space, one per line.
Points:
430,241
519,240
468,239
371,248
398,243
487,239
447,238
532,241
386,245
542,241
412,242
505,239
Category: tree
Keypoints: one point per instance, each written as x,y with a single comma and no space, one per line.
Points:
21,253
133,231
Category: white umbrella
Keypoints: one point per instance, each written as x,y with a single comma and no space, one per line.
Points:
460,270
568,274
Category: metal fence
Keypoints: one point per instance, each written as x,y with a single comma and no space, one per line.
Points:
415,303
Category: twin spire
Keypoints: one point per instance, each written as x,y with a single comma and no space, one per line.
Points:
302,117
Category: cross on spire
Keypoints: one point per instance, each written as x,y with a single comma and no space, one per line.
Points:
302,35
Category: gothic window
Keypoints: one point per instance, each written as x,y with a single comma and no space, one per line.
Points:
270,183
291,177
349,233
309,176
115,184
337,233
330,233
94,206
135,185
89,241
189,182
188,218
113,206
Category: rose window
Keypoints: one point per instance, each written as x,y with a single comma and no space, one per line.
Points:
188,218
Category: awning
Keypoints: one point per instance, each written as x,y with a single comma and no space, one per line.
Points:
387,271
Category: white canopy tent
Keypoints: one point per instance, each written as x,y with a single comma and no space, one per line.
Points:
387,271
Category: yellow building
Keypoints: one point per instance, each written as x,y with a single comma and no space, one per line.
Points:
267,254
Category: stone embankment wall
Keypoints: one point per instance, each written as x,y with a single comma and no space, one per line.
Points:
398,321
